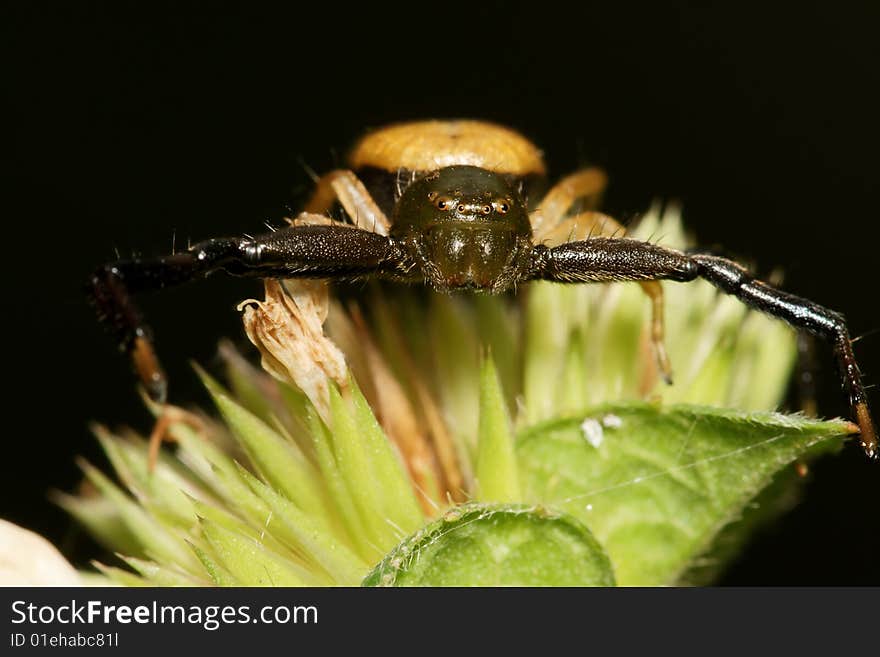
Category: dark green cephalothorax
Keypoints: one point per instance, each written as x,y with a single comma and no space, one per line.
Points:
464,227
458,221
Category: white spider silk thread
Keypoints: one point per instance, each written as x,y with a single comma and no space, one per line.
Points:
639,480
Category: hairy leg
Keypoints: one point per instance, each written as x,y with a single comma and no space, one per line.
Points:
585,225
299,251
585,185
345,187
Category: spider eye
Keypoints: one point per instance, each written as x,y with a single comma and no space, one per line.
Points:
502,206
487,209
440,202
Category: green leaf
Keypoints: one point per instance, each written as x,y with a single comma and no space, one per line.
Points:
496,460
779,497
497,545
656,485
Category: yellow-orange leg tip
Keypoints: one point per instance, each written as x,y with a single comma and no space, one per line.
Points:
159,433
867,430
148,370
170,416
663,363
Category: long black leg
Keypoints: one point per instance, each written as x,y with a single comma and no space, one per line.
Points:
293,252
605,260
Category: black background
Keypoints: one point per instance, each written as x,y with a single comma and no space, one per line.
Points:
128,124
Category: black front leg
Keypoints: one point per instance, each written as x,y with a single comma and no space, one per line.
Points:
803,314
607,260
293,252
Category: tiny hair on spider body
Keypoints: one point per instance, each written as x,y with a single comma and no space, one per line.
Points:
456,205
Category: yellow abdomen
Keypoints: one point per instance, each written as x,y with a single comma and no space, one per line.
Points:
432,145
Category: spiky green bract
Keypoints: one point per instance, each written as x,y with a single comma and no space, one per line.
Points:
291,515
281,462
497,545
496,472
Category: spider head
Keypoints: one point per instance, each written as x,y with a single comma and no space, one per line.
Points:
465,194
466,226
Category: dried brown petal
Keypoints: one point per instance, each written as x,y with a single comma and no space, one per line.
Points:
287,328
